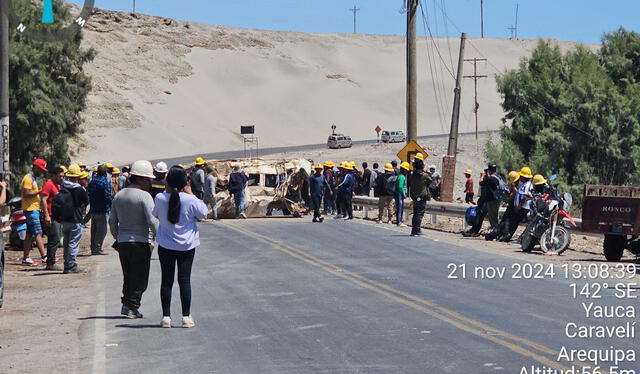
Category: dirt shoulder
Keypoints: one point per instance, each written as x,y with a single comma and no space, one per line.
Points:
40,321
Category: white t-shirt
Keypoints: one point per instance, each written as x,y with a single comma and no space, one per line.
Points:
182,236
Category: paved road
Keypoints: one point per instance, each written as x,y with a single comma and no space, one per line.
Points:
289,296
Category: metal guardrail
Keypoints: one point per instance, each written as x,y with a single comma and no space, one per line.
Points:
434,208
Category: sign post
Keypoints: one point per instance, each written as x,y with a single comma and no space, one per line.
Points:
378,129
333,129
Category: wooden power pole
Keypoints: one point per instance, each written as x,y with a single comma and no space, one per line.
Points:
412,72
482,18
355,10
4,89
449,167
475,78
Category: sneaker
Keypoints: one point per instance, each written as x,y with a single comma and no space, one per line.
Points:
28,261
44,260
402,225
187,322
470,234
314,220
75,269
321,219
243,216
125,309
53,267
166,322
133,313
99,253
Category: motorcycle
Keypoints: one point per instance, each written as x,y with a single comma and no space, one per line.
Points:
550,224
18,224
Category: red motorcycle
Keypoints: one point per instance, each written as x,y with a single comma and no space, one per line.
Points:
550,224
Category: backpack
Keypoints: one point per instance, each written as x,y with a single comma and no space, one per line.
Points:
502,191
63,206
390,184
234,183
470,215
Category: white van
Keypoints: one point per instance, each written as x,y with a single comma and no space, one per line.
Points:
339,141
393,136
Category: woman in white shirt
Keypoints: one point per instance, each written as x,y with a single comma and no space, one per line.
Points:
178,211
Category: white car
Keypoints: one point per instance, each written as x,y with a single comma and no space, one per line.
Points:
339,141
393,136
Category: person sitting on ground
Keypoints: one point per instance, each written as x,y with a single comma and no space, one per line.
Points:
178,212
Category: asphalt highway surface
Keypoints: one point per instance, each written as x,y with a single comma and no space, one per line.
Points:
291,296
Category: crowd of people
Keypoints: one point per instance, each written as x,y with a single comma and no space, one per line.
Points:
139,206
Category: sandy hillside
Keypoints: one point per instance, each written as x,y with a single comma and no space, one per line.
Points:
166,88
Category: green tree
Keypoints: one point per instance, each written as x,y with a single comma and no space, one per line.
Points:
48,90
576,114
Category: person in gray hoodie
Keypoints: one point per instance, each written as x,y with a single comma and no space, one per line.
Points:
73,221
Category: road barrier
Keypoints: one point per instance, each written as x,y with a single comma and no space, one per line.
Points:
434,209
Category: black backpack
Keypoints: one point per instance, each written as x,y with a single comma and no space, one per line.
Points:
63,206
391,184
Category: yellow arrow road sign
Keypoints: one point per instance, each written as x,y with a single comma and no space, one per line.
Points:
410,150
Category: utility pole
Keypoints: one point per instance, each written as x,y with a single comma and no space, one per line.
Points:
449,167
475,78
134,6
482,18
512,29
4,89
517,8
412,72
355,11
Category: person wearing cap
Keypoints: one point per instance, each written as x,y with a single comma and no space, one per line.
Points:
114,181
210,198
507,226
317,186
134,227
346,188
237,183
401,192
488,203
419,182
436,181
197,178
159,183
73,219
84,182
329,198
384,193
100,195
52,228
109,170
31,208
416,157
82,165
468,187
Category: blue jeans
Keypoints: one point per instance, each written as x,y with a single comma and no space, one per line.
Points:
238,197
72,232
399,208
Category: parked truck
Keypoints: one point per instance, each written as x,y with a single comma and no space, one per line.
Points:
615,212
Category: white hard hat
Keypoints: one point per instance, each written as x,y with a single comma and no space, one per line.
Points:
161,167
142,168
432,167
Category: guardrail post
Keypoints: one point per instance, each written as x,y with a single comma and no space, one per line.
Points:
366,212
434,219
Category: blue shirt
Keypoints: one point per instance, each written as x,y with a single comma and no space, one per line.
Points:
100,195
317,184
183,236
347,184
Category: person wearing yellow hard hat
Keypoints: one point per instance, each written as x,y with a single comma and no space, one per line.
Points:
317,187
401,192
329,196
419,182
115,175
109,169
197,178
346,189
468,187
72,216
384,190
51,227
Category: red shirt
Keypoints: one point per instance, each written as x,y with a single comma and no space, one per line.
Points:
468,187
50,189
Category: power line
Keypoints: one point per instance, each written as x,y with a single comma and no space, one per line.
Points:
434,43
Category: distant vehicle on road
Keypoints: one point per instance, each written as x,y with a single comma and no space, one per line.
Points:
339,141
615,212
393,136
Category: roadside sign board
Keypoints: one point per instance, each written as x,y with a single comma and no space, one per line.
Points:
410,150
378,129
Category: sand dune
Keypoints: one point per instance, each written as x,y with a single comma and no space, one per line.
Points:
166,88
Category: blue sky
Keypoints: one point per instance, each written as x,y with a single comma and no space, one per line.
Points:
574,20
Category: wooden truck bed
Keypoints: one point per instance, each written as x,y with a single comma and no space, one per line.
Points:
611,209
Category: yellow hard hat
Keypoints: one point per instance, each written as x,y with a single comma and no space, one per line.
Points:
199,161
347,166
513,177
95,170
109,165
74,171
468,172
538,179
81,164
405,165
388,167
318,166
329,164
419,156
84,175
115,171
352,163
525,172
64,168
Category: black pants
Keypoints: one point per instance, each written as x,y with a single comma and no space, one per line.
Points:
339,202
135,259
168,260
316,200
468,198
419,208
54,233
347,205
